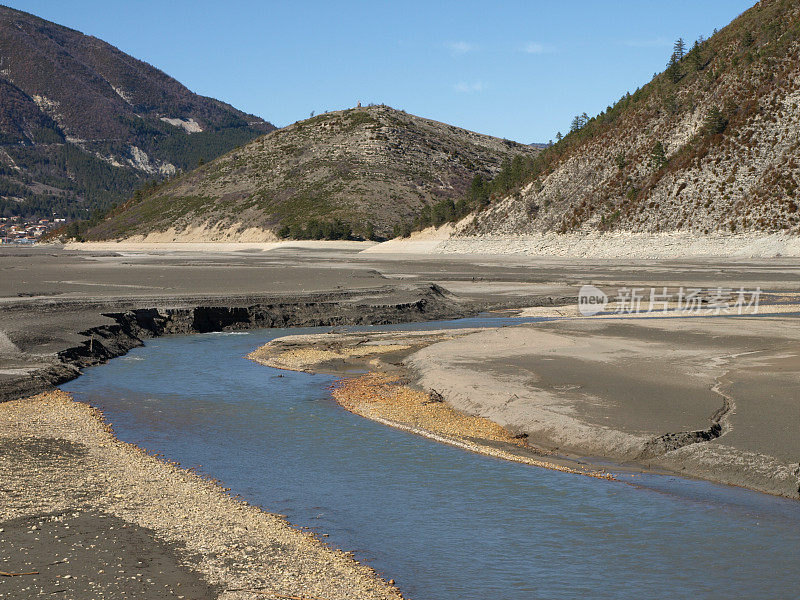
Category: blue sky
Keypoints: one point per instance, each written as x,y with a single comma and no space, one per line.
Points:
514,69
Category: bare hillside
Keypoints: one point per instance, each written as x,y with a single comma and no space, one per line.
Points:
360,172
710,146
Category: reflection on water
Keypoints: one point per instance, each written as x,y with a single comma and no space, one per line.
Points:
443,522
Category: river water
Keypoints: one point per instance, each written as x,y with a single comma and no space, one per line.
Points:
444,523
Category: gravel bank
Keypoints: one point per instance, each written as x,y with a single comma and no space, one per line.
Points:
603,245
67,483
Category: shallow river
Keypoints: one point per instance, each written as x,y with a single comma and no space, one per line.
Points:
444,523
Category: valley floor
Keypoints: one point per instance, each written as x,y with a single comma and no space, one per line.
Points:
640,386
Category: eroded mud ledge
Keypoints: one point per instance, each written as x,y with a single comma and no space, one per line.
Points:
125,326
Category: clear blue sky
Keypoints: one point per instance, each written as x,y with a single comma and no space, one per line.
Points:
514,69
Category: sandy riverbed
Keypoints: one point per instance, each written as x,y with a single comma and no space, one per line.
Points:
98,517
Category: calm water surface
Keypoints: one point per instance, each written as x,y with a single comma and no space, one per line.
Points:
446,524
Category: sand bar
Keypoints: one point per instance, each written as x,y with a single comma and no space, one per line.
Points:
709,397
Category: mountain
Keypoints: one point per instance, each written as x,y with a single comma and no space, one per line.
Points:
711,145
363,171
82,123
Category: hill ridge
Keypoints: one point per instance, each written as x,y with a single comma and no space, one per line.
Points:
359,172
708,146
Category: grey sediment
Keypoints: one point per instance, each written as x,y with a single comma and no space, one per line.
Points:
131,323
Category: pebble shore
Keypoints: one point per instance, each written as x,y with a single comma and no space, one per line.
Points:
380,397
62,472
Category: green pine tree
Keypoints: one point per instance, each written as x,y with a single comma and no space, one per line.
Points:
658,156
679,49
696,57
715,122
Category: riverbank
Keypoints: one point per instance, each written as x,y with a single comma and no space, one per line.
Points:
92,515
703,397
382,398
31,363
383,393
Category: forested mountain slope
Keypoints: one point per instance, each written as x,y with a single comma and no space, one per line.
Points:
82,123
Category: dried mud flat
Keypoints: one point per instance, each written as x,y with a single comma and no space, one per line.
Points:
85,516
